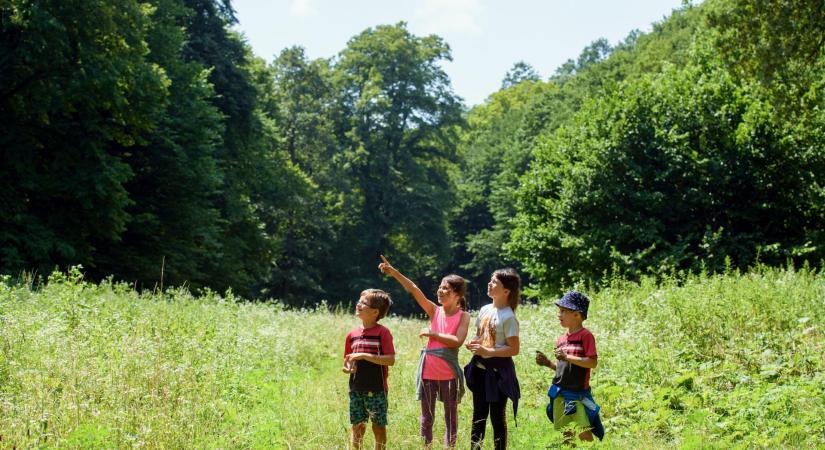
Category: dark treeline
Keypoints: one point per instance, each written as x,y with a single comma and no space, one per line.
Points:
145,141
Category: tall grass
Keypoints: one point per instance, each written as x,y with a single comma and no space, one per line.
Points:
700,362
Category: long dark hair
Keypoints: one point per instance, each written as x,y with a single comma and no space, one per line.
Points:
459,286
509,278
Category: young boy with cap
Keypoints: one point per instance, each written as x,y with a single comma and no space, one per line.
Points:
570,397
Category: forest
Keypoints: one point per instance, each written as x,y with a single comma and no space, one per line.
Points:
145,142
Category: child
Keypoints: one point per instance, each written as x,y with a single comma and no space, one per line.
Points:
491,374
570,397
368,350
439,375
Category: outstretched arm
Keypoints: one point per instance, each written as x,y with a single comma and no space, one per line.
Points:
425,303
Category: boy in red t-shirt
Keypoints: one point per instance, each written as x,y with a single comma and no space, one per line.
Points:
571,401
368,351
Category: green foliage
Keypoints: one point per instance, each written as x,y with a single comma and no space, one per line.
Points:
133,143
397,131
494,150
174,223
676,162
671,172
243,252
503,135
780,43
521,71
73,98
699,361
298,100
146,142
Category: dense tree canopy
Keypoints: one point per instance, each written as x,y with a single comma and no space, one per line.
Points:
145,141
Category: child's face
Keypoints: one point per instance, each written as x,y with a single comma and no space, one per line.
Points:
364,311
496,290
446,295
569,318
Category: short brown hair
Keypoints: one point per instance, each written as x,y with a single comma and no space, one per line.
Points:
379,300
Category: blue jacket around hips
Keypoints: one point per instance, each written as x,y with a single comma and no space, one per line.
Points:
500,378
585,398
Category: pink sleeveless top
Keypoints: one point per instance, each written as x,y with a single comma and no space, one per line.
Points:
436,368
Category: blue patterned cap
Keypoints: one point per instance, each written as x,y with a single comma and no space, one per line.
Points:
576,301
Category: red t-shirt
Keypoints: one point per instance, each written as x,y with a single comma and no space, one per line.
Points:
376,340
570,376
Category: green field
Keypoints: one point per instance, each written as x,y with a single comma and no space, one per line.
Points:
703,362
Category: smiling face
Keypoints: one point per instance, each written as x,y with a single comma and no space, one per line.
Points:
446,295
365,311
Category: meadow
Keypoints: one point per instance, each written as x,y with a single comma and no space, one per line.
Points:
733,361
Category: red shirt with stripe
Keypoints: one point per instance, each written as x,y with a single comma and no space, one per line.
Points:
582,343
376,340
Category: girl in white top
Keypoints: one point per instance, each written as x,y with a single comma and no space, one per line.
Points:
491,374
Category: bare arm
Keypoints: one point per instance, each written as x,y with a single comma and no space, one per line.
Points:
581,361
543,360
452,341
426,304
511,348
382,360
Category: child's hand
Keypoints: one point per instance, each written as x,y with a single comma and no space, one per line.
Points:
385,266
425,332
541,359
355,357
472,344
481,350
477,349
560,354
349,367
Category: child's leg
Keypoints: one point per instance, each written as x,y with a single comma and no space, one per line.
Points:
377,406
380,433
358,418
428,396
450,423
586,436
498,418
480,411
561,421
358,430
449,394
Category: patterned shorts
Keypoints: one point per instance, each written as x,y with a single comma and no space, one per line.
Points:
365,406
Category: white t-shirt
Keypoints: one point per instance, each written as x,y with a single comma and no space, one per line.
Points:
495,325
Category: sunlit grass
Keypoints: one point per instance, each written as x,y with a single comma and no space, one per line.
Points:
703,362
